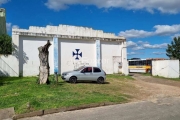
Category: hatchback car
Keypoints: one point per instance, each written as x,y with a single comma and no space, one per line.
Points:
85,73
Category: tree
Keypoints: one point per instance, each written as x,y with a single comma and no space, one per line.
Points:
173,50
44,63
6,46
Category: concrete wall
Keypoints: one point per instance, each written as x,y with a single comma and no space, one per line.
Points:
124,59
28,55
68,61
88,49
9,66
110,50
166,68
25,60
68,30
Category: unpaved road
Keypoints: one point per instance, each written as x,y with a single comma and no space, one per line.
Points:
151,88
155,99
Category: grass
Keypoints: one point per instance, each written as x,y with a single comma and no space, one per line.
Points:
149,74
25,95
146,74
174,79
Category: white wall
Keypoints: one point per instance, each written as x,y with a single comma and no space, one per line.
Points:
108,50
28,55
166,68
67,47
67,30
124,59
26,59
9,66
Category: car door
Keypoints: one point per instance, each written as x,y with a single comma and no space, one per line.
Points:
86,74
96,73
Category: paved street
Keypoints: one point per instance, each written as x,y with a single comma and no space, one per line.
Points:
158,109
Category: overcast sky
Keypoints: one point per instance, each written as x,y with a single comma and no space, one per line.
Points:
148,25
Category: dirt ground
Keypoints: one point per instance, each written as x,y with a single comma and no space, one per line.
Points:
150,88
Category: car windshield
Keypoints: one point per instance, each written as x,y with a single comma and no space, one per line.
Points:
80,68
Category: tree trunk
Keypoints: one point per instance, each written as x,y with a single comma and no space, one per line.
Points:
44,63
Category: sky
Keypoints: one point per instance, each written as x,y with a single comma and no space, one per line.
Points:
147,25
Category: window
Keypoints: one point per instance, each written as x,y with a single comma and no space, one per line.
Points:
80,68
96,69
87,70
148,62
144,62
136,62
140,63
131,62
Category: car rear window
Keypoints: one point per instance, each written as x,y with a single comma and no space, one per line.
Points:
96,69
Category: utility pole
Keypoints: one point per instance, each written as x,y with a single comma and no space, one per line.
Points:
2,21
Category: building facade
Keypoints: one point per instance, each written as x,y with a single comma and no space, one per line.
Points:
71,48
2,21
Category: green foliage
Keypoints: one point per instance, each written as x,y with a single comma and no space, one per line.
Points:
173,50
51,79
6,46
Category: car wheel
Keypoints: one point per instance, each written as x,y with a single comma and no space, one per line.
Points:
100,80
73,80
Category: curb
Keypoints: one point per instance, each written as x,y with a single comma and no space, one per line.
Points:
31,114
64,109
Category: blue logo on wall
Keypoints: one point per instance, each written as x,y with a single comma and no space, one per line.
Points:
77,54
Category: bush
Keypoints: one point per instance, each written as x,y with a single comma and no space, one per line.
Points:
6,46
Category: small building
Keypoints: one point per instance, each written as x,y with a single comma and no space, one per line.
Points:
71,48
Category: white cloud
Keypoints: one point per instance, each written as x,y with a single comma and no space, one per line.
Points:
133,53
140,45
164,6
176,35
134,46
155,46
135,33
15,27
3,1
160,30
142,42
56,5
8,26
131,44
159,53
166,29
138,48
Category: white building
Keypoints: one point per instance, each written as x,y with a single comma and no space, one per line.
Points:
71,47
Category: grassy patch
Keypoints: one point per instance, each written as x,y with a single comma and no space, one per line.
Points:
121,77
26,96
146,74
174,79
